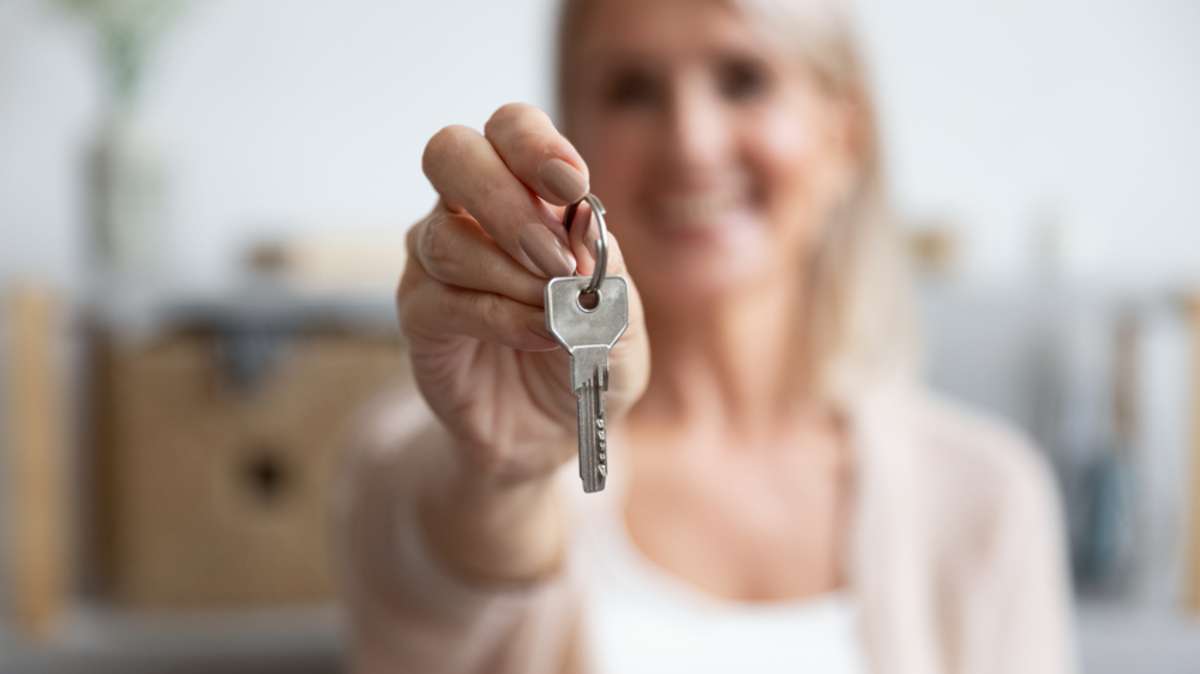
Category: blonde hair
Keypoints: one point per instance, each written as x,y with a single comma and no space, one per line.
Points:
861,327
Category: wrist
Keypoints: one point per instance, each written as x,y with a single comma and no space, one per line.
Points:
488,530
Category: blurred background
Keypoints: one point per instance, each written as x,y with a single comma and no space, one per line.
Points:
202,207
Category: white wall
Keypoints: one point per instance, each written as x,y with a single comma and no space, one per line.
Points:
999,112
306,114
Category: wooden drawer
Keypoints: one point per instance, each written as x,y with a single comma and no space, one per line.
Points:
216,467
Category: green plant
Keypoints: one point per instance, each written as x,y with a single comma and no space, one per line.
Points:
127,31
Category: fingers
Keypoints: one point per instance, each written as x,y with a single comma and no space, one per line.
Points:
631,354
466,171
431,309
537,154
453,249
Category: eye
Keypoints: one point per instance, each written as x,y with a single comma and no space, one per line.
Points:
740,79
631,88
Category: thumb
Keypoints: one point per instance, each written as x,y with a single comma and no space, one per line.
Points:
630,356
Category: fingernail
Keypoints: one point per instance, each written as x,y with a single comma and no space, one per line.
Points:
547,252
563,180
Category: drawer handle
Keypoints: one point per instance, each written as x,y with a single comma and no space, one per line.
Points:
266,475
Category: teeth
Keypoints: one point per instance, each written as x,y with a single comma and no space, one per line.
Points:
697,208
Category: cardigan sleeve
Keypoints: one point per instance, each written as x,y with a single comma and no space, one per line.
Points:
994,527
406,613
1034,633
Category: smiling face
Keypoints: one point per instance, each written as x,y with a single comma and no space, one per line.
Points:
716,152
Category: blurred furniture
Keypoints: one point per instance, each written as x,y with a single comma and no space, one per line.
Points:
35,436
102,640
217,439
934,247
340,261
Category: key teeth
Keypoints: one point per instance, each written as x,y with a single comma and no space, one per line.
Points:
598,484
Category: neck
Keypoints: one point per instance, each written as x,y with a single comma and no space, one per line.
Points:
731,369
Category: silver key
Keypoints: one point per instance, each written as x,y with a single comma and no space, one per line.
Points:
588,334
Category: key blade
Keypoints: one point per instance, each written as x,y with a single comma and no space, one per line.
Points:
587,335
593,438
584,406
573,325
588,364
600,438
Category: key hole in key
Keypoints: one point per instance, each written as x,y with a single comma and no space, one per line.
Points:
588,301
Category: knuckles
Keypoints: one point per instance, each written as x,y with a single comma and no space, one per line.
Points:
435,250
406,305
507,322
412,277
489,310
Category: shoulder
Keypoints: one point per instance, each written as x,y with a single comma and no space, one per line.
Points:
983,511
973,455
983,485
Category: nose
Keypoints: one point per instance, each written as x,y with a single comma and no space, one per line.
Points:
698,137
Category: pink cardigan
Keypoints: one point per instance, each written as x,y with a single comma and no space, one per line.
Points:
956,562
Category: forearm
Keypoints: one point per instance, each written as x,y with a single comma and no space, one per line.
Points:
485,531
408,609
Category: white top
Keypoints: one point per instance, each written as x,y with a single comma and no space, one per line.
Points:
954,566
638,617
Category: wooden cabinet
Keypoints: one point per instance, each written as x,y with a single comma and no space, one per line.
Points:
34,546
216,453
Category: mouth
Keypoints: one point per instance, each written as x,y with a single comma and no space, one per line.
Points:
699,212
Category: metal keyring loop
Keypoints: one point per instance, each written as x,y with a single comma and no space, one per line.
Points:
601,240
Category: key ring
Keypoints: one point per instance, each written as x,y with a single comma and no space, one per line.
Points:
601,240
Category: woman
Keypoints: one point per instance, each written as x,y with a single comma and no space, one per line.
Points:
782,495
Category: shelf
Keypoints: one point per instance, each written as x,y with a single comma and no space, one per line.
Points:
103,640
